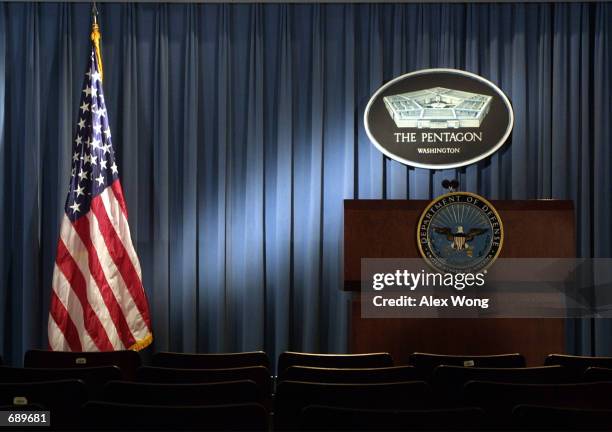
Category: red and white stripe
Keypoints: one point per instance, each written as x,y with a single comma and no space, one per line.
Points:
98,301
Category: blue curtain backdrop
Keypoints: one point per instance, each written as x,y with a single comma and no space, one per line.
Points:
239,134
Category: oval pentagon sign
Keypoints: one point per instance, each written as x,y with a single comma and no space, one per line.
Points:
438,118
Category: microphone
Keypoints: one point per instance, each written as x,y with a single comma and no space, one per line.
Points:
451,185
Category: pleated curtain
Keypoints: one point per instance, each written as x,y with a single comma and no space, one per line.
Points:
239,134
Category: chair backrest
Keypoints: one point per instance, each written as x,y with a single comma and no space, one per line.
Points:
578,363
533,417
500,398
356,376
93,377
325,418
597,374
127,361
450,380
182,394
428,362
211,361
114,416
370,360
293,396
63,398
258,374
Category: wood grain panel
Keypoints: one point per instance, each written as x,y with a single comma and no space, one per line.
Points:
387,229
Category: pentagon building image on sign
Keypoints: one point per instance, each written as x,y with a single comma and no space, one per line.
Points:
438,108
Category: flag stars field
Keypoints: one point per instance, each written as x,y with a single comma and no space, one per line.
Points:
93,146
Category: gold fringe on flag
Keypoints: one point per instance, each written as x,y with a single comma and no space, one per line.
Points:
96,36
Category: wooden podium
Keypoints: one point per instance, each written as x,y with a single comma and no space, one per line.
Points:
387,229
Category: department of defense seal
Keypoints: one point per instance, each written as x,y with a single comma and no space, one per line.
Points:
460,232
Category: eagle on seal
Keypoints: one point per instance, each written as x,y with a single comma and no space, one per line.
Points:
459,239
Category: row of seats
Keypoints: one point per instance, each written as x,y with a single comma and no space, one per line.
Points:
497,400
447,380
358,392
129,361
295,402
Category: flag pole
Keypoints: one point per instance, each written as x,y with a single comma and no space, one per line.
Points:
96,37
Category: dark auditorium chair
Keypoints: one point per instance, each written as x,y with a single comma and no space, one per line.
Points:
182,394
597,374
355,376
578,363
533,417
293,396
93,377
62,398
370,360
127,361
325,418
498,399
258,374
428,362
450,380
114,416
211,361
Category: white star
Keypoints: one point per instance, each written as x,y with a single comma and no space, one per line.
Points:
82,175
107,132
88,73
95,76
93,160
79,191
114,168
88,91
100,179
98,128
85,107
102,112
106,148
81,123
75,207
75,156
103,163
94,92
87,159
78,140
96,143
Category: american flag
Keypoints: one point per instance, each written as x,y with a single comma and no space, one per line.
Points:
98,302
